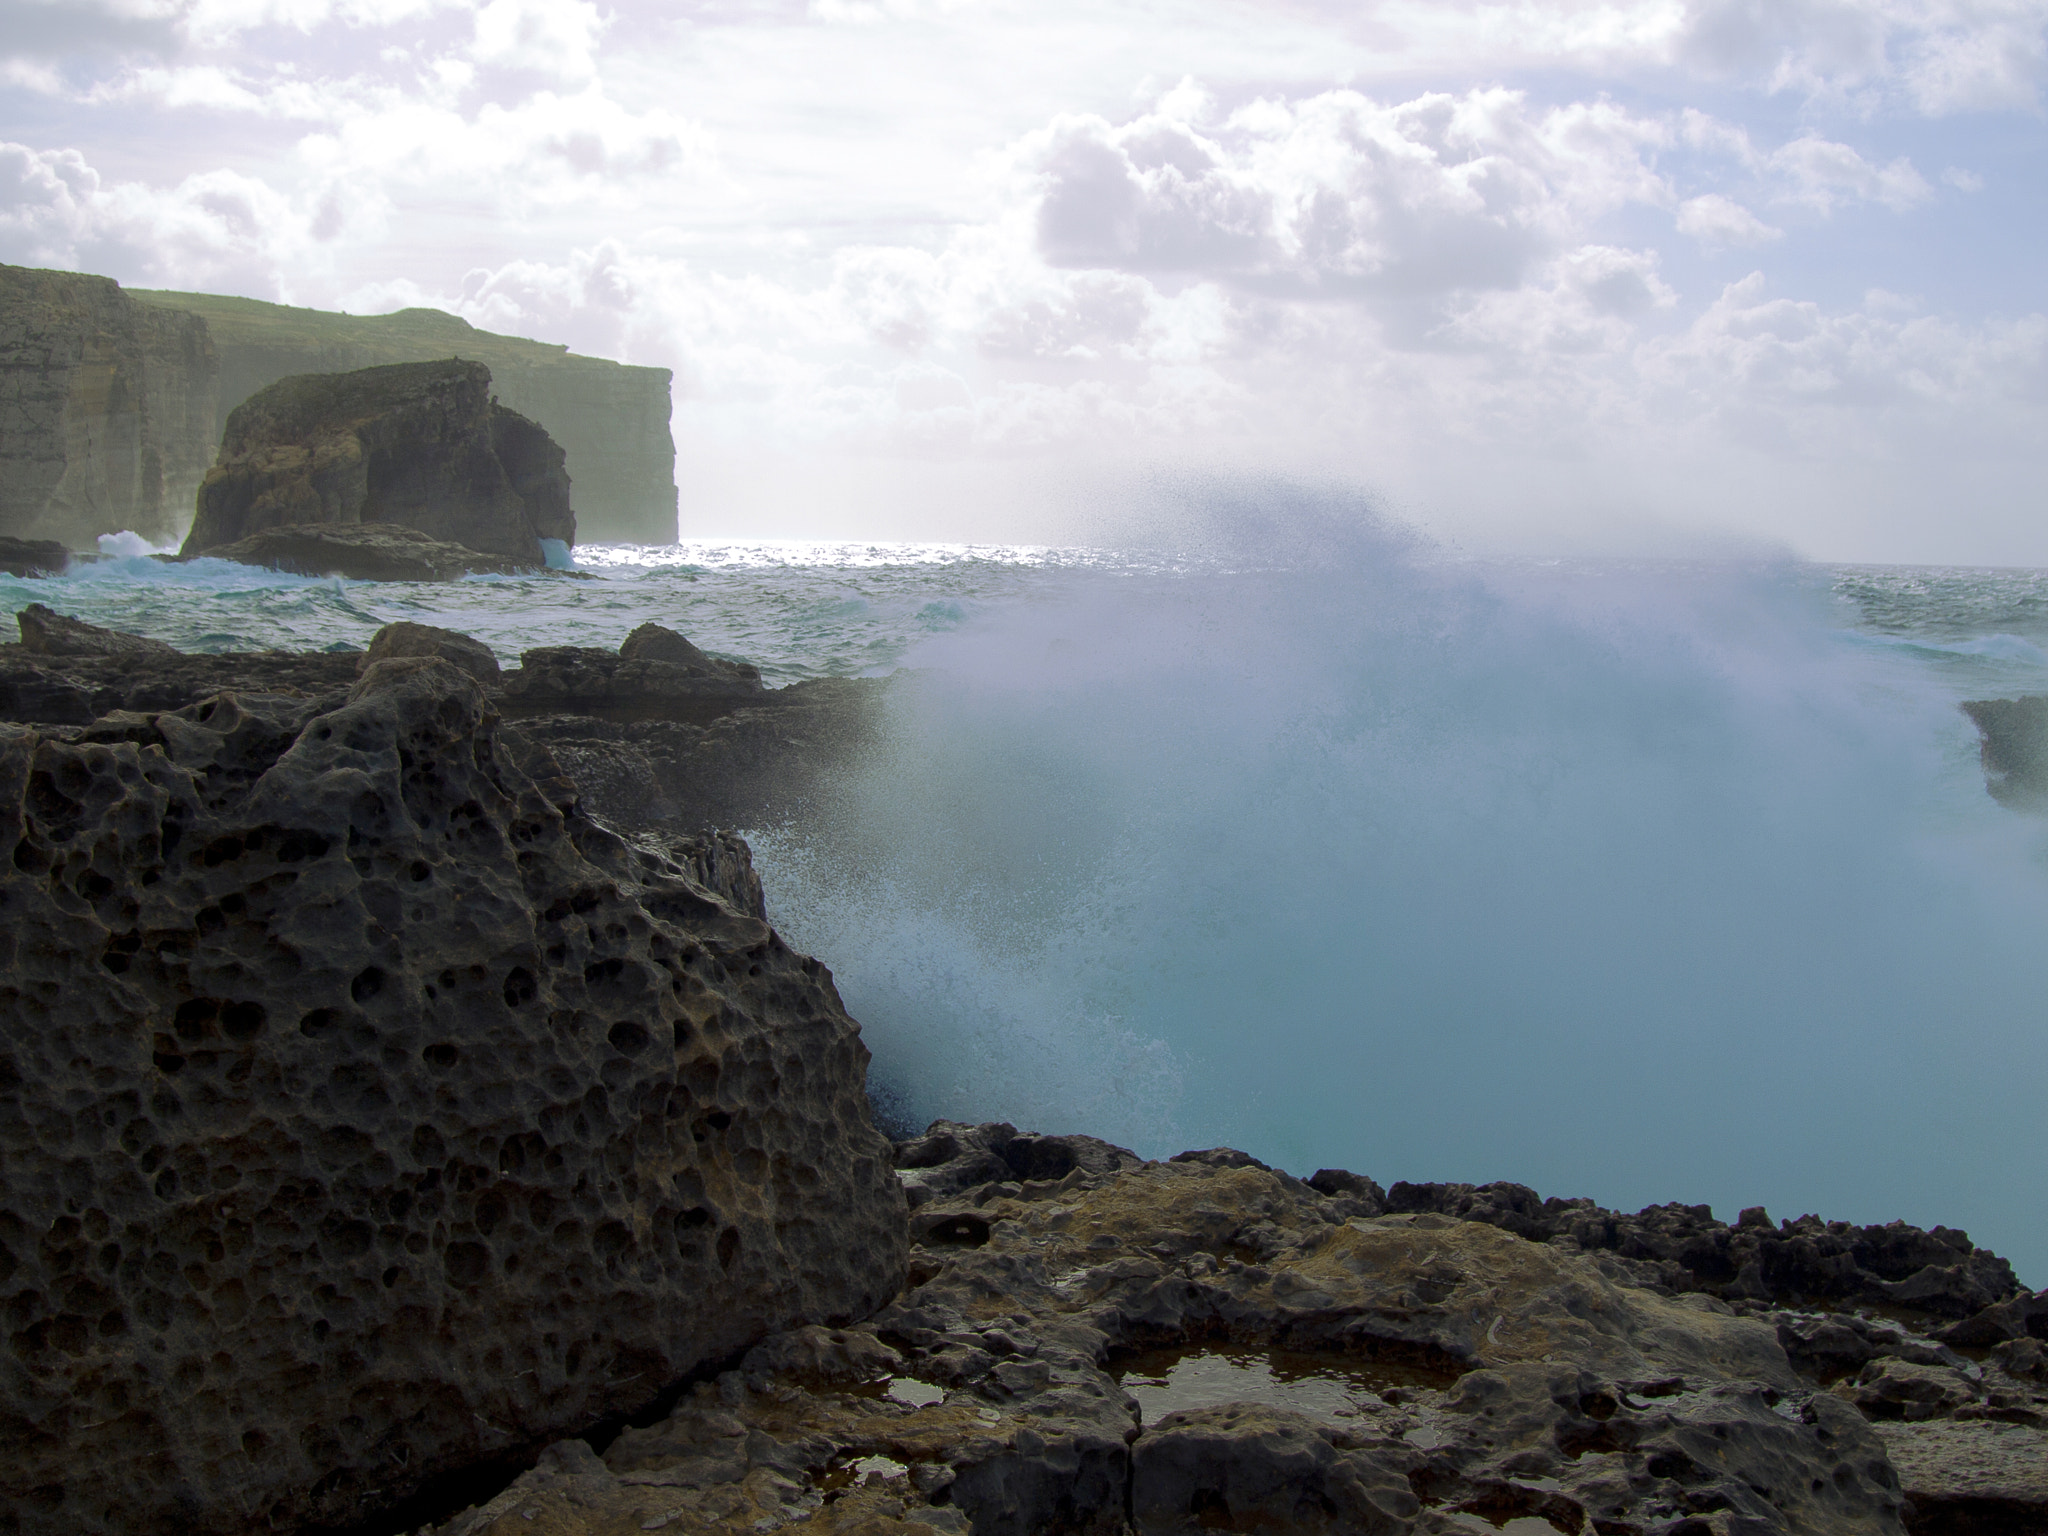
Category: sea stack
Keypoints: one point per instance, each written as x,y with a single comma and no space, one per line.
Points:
420,447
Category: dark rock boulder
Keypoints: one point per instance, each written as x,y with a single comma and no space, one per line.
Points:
655,675
2014,748
33,557
367,1116
462,651
44,633
421,445
362,552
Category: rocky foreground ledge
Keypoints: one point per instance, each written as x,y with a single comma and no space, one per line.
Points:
1401,1370
401,1110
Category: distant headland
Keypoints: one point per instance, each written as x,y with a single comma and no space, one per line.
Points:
113,401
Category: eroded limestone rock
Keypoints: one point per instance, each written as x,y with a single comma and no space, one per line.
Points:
1533,1382
366,1115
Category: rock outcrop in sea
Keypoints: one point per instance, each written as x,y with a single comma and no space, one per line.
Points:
370,1114
417,448
2015,748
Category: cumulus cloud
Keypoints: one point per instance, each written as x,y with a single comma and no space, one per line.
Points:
1340,197
1715,220
1824,175
555,37
1939,56
218,227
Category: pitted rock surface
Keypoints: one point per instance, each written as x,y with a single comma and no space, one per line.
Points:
366,1115
988,1394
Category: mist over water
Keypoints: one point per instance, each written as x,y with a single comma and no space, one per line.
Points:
1640,881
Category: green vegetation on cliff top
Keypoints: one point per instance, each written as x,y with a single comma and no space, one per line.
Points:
407,336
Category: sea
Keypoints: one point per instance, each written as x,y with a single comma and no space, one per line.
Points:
1640,879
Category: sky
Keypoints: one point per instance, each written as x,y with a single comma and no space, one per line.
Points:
1552,277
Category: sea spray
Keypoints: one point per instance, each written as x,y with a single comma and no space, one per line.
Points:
1633,881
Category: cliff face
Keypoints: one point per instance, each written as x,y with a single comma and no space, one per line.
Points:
611,419
107,409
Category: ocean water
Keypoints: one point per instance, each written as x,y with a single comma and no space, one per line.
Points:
1639,880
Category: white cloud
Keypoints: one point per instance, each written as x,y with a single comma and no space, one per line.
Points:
217,226
1341,197
1823,175
554,37
1715,220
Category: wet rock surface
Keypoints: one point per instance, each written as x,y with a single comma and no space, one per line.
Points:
422,446
33,557
364,552
1516,1380
367,1113
2015,748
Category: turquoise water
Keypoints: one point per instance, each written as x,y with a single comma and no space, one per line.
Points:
1643,881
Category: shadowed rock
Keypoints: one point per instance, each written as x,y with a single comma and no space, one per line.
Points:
44,633
419,445
367,1115
363,552
459,650
33,557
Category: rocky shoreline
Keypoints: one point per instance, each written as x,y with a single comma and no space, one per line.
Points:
404,1105
1317,1361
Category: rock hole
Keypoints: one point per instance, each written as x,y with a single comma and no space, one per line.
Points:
728,1247
243,1021
467,1263
368,983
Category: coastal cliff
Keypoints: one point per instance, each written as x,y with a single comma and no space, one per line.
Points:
611,418
113,402
108,409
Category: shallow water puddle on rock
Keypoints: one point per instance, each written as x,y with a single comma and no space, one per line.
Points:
914,1394
864,1469
1331,1387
